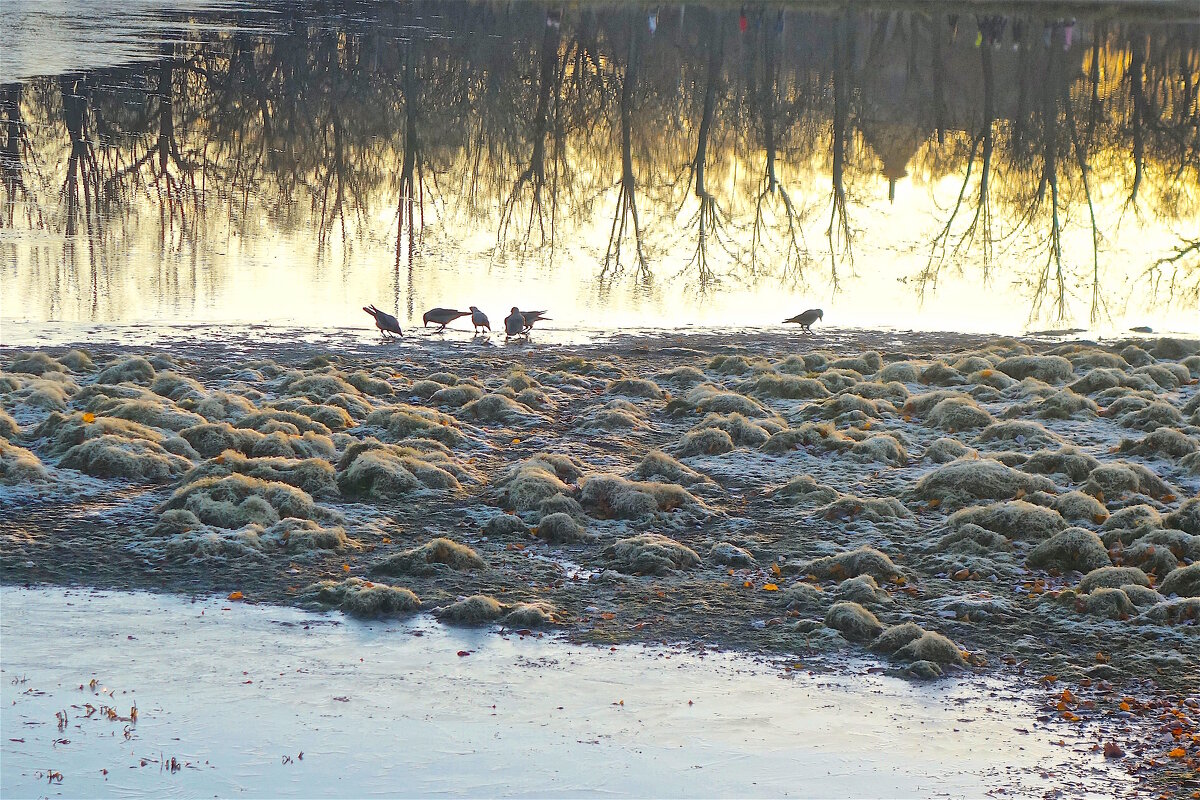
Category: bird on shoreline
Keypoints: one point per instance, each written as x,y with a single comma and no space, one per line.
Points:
532,317
514,324
479,319
806,319
442,316
384,321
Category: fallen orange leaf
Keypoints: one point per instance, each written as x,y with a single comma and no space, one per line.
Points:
608,615
1178,752
770,587
89,417
235,595
345,567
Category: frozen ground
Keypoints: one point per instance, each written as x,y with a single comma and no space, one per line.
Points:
947,505
274,702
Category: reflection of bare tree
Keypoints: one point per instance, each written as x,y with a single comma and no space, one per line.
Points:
80,192
410,201
533,176
709,219
838,233
626,213
979,228
15,150
795,250
1180,271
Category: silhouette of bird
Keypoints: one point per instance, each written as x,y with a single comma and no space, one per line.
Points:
514,323
479,319
384,321
806,319
442,316
532,317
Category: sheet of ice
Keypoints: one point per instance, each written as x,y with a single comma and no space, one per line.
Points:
236,693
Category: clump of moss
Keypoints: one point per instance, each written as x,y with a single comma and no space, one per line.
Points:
1112,577
318,388
853,621
402,421
161,414
657,465
560,504
305,535
1051,369
1132,517
704,442
361,598
608,496
616,415
772,384
524,486
111,456
63,432
218,406
35,363
932,647
1186,517
77,361
1150,417
456,396
18,465
966,480
1067,460
1116,480
804,490
1184,581
940,373
958,414
707,398
862,590
433,557
945,450
367,383
273,420
731,555
970,539
681,377
236,500
823,436
477,609
502,525
1022,432
1162,442
332,417
129,370
635,387
561,528
650,554
1165,376
851,564
1073,549
872,509
176,387
881,449
1109,602
8,426
1074,506
899,371
530,615
868,363
498,408
315,476
391,473
734,364
897,636
212,439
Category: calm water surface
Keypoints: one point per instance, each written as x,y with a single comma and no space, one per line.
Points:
653,166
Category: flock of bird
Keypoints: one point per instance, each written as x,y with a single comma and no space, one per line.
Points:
517,323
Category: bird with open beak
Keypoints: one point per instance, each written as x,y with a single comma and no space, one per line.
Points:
384,321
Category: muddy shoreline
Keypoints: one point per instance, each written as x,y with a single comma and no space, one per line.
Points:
941,502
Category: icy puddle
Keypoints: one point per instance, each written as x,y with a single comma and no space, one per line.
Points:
237,700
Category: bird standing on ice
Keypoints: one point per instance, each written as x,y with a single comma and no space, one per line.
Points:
384,321
480,320
514,323
442,316
806,319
